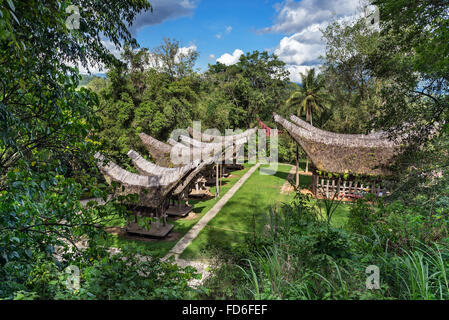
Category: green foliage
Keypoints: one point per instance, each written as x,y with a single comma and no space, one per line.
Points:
253,87
111,277
134,277
411,57
287,260
169,95
310,96
395,79
302,257
352,92
169,59
96,84
47,139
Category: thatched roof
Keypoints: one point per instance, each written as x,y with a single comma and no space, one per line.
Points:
152,190
214,149
159,151
340,153
181,151
379,136
150,169
187,180
147,168
220,139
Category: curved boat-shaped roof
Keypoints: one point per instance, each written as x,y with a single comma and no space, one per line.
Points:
185,182
149,169
158,150
214,147
342,154
221,139
379,136
151,189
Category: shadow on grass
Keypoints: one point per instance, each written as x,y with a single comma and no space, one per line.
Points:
243,214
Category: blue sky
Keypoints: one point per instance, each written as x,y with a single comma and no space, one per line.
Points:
217,27
222,30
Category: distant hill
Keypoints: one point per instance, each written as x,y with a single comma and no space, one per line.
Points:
86,78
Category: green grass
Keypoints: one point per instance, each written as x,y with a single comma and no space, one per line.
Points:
340,216
245,211
233,224
181,226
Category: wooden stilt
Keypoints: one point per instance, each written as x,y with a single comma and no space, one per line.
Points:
216,182
297,167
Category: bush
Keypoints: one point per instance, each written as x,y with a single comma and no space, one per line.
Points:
112,277
302,257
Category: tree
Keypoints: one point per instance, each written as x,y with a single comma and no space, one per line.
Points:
309,98
142,98
256,85
170,58
352,90
37,76
412,57
97,84
47,137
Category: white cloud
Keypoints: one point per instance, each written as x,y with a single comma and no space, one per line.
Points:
302,48
296,16
301,22
228,59
186,50
212,56
163,10
228,30
295,71
99,68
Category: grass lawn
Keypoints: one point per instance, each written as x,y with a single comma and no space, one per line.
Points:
181,226
246,210
340,216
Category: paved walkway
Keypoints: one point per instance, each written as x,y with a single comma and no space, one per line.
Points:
185,241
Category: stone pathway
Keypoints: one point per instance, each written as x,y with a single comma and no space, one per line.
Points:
184,242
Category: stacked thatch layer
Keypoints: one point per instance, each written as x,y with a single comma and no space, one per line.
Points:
152,189
367,155
220,139
229,149
147,168
159,151
156,182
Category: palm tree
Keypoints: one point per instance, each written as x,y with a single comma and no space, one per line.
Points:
308,99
